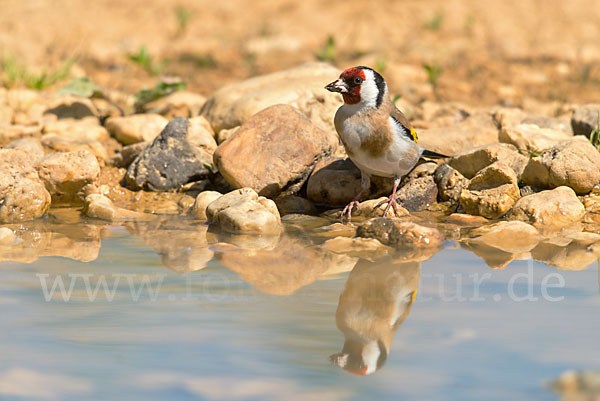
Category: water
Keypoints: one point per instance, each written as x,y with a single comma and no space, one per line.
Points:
260,323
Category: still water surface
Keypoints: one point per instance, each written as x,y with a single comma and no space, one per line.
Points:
271,322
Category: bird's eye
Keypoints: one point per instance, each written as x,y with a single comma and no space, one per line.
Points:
358,80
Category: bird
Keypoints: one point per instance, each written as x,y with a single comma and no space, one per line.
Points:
378,137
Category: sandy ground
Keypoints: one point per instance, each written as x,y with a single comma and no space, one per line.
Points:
510,51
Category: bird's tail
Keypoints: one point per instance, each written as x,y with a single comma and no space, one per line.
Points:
433,155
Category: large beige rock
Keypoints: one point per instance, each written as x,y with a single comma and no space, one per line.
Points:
274,151
84,130
200,135
65,174
531,137
23,195
477,130
7,236
400,234
244,211
492,192
136,128
301,87
554,208
574,163
471,161
32,145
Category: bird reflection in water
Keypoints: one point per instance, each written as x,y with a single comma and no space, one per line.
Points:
375,301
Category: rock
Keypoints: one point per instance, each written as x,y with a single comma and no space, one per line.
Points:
368,209
585,119
100,207
335,230
553,123
506,117
9,133
201,136
466,220
471,161
449,182
71,107
422,169
334,182
170,161
492,192
7,236
418,194
508,236
136,128
577,385
102,150
202,201
225,134
32,145
244,211
274,151
358,247
301,87
22,194
400,234
294,204
574,163
531,137
128,154
84,130
65,174
477,130
554,208
574,252
177,104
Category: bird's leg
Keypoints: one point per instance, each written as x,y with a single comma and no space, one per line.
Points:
365,184
391,201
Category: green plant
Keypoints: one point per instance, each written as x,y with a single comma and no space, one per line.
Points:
380,65
183,17
15,74
595,134
205,60
433,70
145,60
327,52
435,22
161,89
396,98
85,87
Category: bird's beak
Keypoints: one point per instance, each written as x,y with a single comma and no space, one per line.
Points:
337,86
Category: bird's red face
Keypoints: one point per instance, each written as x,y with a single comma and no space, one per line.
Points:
349,85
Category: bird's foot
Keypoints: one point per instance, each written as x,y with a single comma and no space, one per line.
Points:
391,202
347,212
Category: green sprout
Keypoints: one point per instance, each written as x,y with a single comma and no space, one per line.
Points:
183,17
145,60
434,70
595,134
85,87
327,52
161,89
15,74
435,22
396,98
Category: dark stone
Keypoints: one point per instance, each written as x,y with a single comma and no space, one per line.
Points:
418,194
585,119
170,161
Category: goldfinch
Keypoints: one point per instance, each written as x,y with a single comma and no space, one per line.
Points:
377,137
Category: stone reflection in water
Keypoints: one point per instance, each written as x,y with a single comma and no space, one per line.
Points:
376,300
180,243
61,233
280,267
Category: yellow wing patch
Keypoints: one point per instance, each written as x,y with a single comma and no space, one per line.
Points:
413,133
